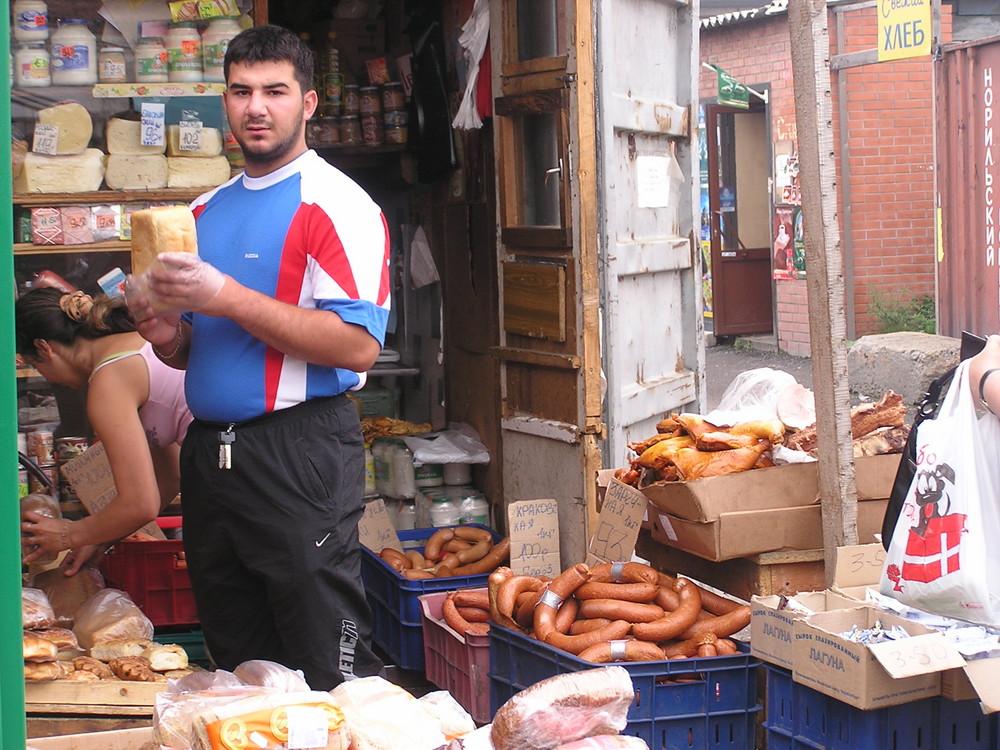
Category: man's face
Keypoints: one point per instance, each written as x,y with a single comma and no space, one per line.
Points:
267,111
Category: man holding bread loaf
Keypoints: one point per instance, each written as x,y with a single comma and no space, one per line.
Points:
280,312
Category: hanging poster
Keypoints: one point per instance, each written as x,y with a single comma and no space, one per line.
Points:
782,243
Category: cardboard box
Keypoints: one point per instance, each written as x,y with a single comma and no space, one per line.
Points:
850,672
786,486
751,532
120,739
771,628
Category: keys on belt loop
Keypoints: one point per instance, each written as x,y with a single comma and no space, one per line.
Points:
226,440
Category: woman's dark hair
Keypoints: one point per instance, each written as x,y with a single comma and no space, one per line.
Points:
39,314
271,44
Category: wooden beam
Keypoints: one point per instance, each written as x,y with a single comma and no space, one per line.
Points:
810,52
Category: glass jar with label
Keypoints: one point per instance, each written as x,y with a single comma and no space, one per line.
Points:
31,66
111,65
151,60
214,43
350,131
473,507
74,54
443,512
31,21
183,44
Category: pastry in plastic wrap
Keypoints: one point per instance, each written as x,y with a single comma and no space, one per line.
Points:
63,638
110,615
564,708
108,650
453,720
46,671
45,505
36,611
383,716
271,674
68,593
38,649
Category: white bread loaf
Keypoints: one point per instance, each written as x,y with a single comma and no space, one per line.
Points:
197,172
210,142
75,126
124,137
147,172
163,229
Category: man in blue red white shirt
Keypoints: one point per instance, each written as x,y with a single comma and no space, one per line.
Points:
286,308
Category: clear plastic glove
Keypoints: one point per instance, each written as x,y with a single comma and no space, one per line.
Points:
185,282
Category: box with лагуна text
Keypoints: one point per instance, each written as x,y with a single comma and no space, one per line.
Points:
772,619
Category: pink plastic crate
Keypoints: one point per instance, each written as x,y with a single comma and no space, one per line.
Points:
456,663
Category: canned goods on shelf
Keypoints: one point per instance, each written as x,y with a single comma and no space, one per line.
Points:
68,448
392,96
350,131
51,472
41,447
351,99
372,131
369,102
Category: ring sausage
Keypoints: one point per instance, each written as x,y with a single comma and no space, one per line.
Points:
725,647
710,601
395,559
612,651
626,592
574,644
473,534
474,553
417,560
458,623
688,648
634,612
496,578
496,556
673,623
473,614
560,588
433,548
721,626
472,598
509,590
669,600
585,626
526,603
566,615
455,545
417,575
630,572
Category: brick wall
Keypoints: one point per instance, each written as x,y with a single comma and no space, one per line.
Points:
889,160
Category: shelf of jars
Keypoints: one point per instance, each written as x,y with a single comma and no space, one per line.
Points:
156,90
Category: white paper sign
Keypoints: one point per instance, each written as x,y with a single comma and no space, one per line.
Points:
46,139
153,124
190,135
919,654
652,181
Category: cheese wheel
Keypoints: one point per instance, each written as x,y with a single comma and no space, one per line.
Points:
125,137
75,126
163,229
78,173
197,172
148,172
210,142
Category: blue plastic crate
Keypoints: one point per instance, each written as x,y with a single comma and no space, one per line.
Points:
397,617
707,703
800,717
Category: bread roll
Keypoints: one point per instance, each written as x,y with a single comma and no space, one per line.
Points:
90,664
108,650
166,658
63,638
163,229
39,649
44,671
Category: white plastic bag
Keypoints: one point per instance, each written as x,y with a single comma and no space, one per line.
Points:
752,395
459,444
943,557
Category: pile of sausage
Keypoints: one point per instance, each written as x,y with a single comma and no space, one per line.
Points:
452,551
608,613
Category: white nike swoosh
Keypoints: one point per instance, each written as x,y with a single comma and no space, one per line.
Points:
320,542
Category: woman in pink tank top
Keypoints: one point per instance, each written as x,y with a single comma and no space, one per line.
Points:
135,406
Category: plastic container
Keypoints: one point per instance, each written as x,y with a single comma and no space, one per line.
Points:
111,66
403,482
31,66
154,575
151,61
798,717
473,507
396,611
406,515
183,44
31,21
458,663
376,401
74,54
457,474
350,130
397,129
443,512
428,475
214,43
708,702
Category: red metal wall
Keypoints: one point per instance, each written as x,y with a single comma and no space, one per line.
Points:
968,132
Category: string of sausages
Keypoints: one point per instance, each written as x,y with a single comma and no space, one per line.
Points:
452,551
607,613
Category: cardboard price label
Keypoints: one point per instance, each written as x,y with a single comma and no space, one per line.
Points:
859,565
919,654
618,525
534,537
375,529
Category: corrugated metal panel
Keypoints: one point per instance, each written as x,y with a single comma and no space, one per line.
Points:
968,130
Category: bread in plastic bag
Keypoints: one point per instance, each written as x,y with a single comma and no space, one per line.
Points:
752,395
271,674
202,680
383,716
68,593
36,610
564,708
110,615
45,505
452,719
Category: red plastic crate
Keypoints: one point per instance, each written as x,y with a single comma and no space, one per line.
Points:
456,663
154,574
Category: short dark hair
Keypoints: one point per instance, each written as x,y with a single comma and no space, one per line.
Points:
271,44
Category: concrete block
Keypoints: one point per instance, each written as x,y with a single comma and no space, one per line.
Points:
904,362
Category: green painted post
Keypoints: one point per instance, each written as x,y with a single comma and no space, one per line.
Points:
12,729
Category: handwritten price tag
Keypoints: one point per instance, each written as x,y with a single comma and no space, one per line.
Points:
618,525
919,654
153,119
534,537
375,530
859,565
190,135
46,139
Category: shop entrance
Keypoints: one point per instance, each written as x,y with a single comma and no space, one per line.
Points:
740,219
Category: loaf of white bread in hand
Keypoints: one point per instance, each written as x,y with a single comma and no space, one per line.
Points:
163,229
